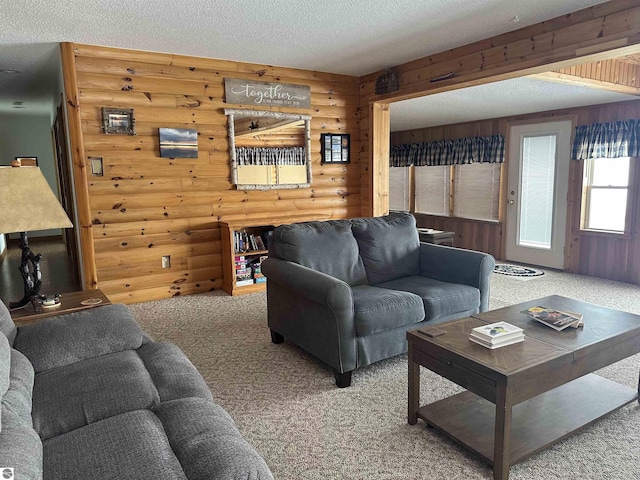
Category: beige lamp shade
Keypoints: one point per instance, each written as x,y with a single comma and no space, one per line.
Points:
27,203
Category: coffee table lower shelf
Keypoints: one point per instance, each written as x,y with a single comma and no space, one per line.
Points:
536,423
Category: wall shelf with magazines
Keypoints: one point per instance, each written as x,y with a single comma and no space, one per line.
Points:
244,248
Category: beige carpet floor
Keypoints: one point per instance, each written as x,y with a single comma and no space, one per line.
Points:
286,404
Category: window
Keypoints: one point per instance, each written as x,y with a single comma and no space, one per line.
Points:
474,192
606,193
399,188
477,191
432,190
458,177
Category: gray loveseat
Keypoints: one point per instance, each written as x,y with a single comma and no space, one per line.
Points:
347,291
89,395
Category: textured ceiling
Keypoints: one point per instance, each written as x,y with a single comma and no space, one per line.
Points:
495,100
352,37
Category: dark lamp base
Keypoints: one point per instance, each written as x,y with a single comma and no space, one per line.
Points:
31,275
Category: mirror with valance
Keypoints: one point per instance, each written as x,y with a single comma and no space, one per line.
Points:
268,149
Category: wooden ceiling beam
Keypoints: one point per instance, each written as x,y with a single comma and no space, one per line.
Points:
614,75
591,34
586,82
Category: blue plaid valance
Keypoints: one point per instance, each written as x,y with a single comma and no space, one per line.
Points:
449,152
271,156
607,140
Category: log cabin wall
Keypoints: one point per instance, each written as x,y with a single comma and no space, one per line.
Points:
145,206
611,256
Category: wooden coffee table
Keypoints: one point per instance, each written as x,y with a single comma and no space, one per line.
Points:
523,397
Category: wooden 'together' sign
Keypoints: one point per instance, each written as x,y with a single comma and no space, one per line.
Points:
249,92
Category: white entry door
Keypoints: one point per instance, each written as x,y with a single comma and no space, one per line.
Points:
539,156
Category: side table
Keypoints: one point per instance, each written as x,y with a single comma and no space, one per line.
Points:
438,237
69,302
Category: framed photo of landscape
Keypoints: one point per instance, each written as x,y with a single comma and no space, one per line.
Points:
178,142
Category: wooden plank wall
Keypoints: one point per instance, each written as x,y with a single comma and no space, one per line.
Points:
598,32
610,71
615,257
146,206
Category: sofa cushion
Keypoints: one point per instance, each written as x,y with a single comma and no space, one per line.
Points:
207,442
389,246
441,299
328,247
132,446
173,375
19,395
20,447
7,327
82,393
378,309
68,338
5,364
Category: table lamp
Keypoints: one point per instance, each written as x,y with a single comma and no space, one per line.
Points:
27,203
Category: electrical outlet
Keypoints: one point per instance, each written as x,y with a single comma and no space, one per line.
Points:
166,261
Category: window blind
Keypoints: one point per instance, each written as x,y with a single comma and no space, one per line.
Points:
477,191
399,188
432,190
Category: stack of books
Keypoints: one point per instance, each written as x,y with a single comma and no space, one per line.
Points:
555,318
496,335
243,271
256,267
245,242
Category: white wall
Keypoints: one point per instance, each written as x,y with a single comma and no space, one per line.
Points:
24,135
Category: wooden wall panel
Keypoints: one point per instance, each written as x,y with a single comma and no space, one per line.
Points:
611,256
146,206
615,71
603,31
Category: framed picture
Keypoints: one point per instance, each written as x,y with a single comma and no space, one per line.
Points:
27,161
178,142
335,148
118,121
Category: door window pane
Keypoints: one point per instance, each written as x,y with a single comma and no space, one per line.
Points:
536,191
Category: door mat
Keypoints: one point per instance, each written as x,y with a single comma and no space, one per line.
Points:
517,270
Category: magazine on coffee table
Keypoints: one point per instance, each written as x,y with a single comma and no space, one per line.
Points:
555,319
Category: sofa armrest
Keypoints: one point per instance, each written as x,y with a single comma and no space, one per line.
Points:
313,285
314,310
68,338
457,265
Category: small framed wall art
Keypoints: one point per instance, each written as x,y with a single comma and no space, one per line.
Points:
118,121
335,148
178,142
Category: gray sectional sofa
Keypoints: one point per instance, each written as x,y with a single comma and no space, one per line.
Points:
347,291
89,396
